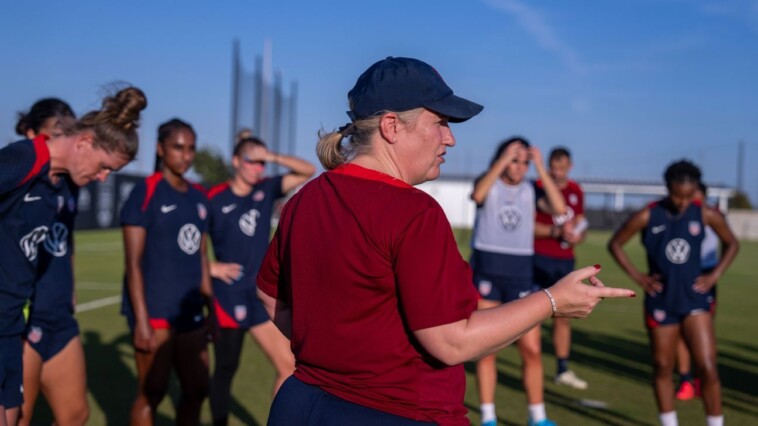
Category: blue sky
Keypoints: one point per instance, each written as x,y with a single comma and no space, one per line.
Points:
628,85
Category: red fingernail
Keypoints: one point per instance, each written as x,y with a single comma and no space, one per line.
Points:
597,266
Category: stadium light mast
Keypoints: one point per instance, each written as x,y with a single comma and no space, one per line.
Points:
235,92
740,164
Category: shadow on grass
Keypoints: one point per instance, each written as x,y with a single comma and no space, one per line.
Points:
243,415
110,381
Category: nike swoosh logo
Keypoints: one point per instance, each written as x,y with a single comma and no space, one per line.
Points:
658,229
227,209
166,209
29,198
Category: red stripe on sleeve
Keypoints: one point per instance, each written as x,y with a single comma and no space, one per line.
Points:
42,154
217,189
152,183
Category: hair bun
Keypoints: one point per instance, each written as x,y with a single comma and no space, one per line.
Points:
123,108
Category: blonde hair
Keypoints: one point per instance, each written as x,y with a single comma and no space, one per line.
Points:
332,153
115,124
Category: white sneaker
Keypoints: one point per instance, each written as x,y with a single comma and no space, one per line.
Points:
570,379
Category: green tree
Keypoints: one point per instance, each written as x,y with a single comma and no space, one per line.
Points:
740,201
211,167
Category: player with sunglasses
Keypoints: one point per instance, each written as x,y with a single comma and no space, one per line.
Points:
240,227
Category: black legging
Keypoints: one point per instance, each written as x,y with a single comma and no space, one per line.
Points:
227,349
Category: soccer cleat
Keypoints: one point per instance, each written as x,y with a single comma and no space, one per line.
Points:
570,379
686,391
490,423
543,422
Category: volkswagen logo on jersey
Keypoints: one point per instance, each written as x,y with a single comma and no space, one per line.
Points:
189,238
560,219
30,241
259,195
678,251
694,228
240,312
35,334
56,242
510,217
249,221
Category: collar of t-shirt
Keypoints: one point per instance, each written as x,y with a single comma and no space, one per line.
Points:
355,170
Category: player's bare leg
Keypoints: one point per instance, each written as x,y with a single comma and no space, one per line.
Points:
700,336
32,377
663,340
153,373
64,385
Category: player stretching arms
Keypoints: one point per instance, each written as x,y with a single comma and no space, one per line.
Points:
240,225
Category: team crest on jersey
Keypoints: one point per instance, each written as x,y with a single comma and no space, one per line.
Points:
56,242
189,238
240,312
659,315
30,242
259,195
694,228
71,204
249,221
485,287
678,251
510,217
35,334
201,212
573,199
560,219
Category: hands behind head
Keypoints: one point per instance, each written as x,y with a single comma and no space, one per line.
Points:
575,299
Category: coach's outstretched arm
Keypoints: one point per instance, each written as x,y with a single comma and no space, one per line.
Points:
489,330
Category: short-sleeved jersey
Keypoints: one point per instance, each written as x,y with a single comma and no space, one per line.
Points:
552,247
28,203
673,244
240,227
362,260
503,236
171,262
52,300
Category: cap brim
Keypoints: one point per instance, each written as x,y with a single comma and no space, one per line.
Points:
455,108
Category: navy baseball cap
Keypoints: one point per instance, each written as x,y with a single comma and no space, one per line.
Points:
402,84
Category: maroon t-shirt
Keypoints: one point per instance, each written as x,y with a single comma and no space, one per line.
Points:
363,259
551,247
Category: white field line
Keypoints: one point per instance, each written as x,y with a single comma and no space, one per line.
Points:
89,285
99,303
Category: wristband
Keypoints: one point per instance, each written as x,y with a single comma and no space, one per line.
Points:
552,301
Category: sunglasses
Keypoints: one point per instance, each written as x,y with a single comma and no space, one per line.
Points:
251,161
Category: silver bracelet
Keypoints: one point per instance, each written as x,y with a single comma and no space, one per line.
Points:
552,301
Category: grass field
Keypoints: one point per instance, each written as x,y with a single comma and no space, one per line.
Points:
610,351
